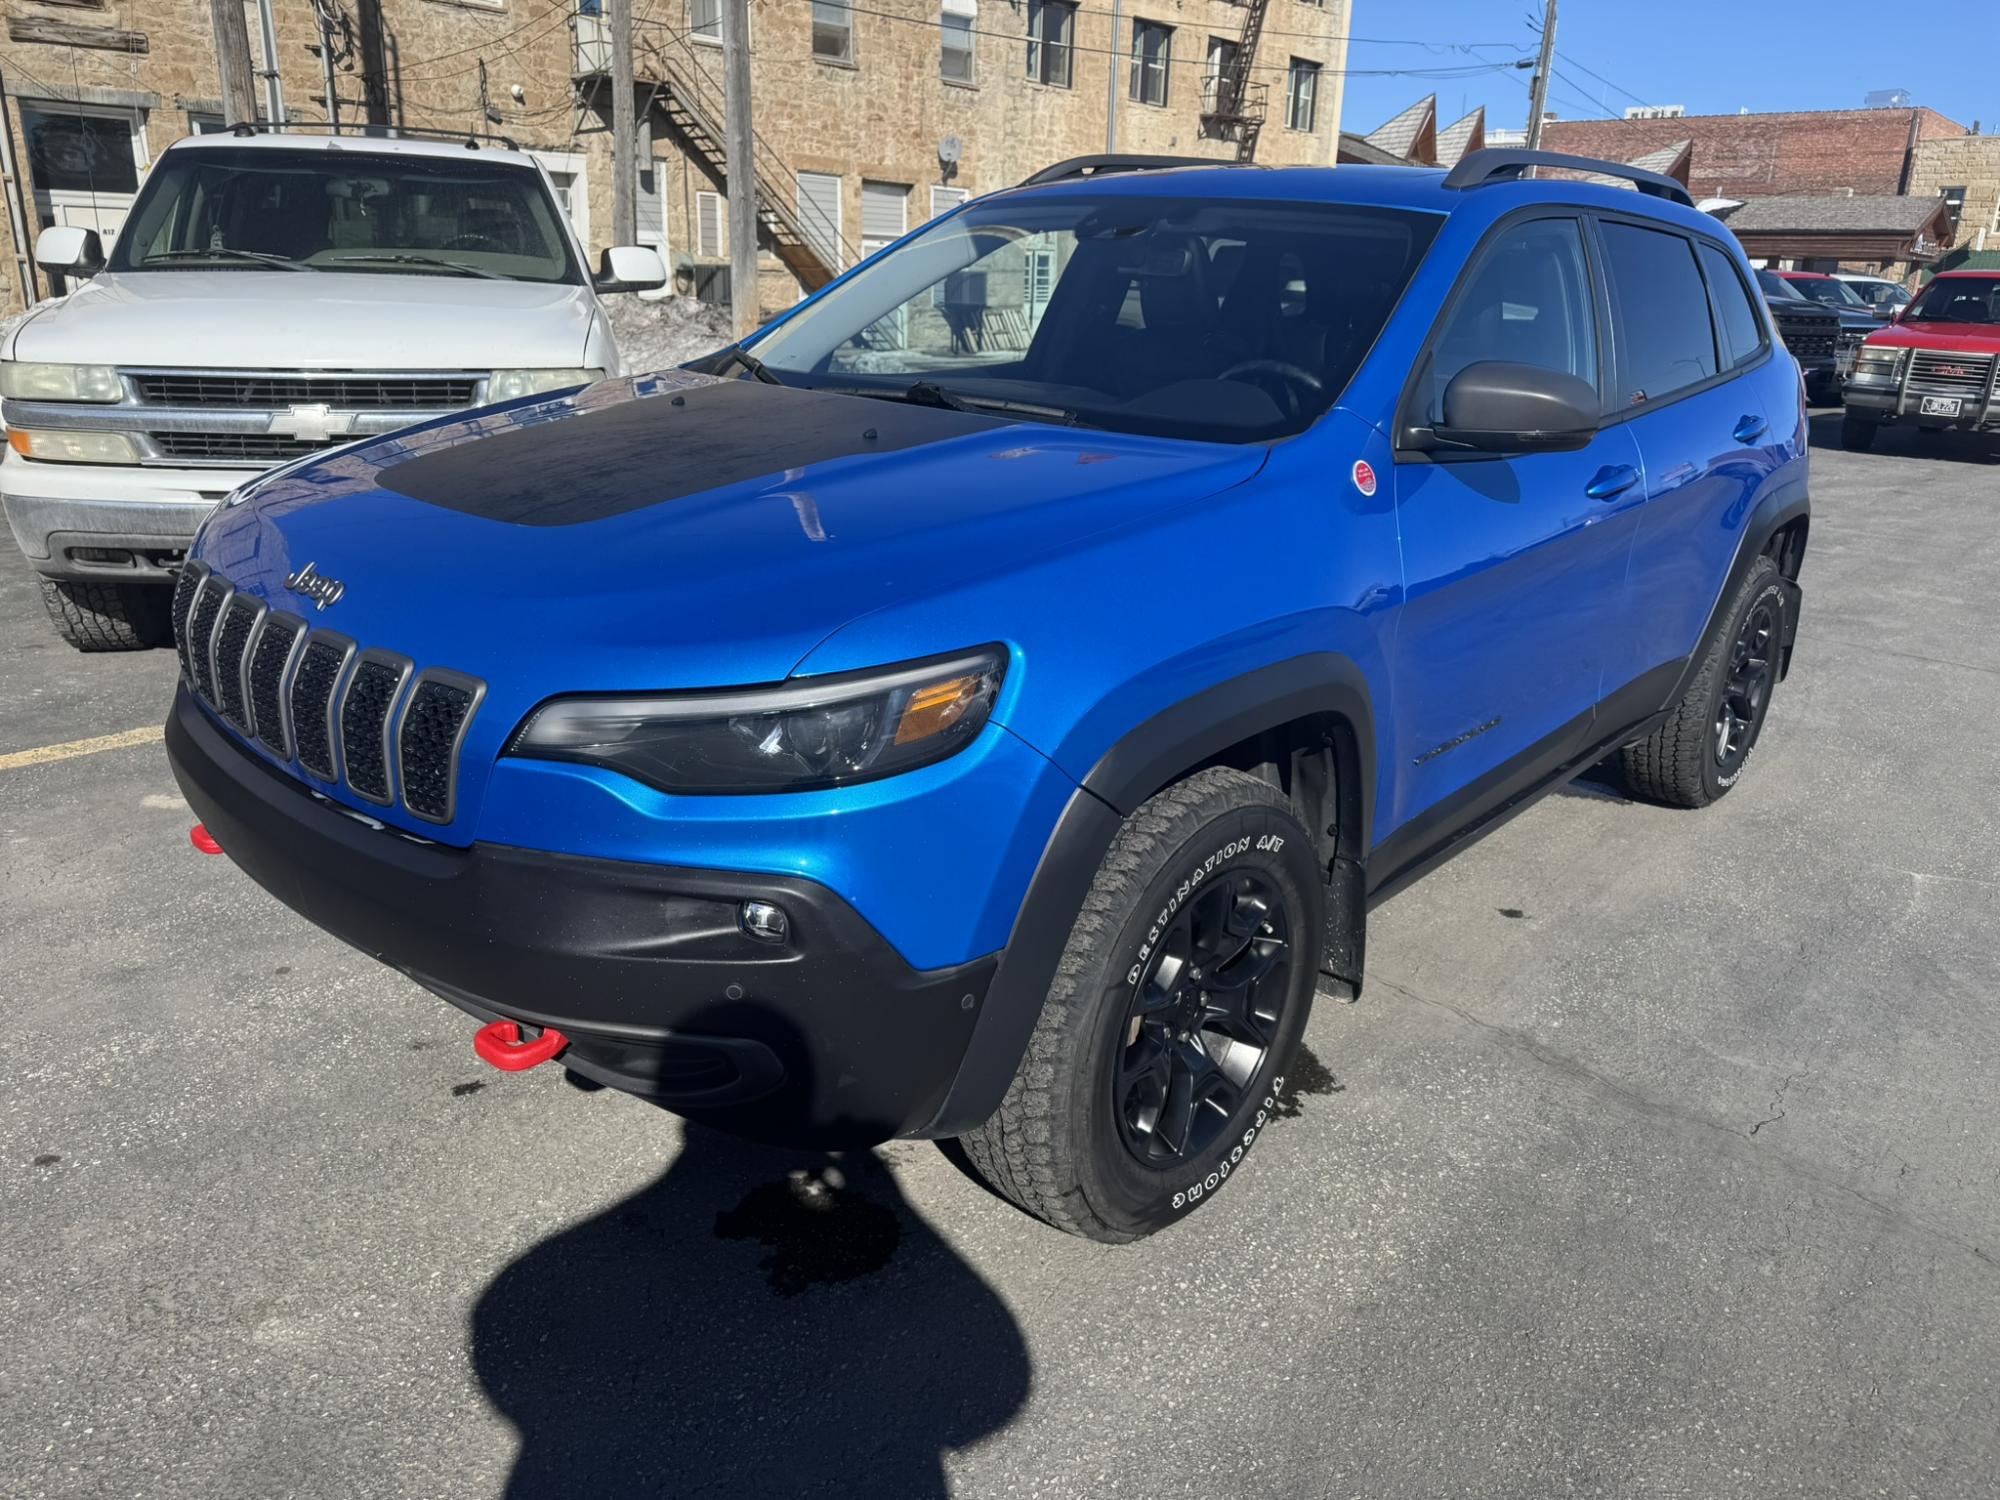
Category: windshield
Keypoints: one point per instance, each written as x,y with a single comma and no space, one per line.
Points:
1832,293
1880,294
1225,320
1775,285
263,209
1957,299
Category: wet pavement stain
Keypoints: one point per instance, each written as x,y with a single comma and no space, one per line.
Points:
460,1090
818,1230
46,1159
1511,911
1306,1076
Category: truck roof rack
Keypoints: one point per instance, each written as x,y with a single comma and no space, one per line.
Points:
1506,163
471,138
1103,165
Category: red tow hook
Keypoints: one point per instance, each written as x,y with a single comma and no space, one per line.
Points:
499,1042
203,840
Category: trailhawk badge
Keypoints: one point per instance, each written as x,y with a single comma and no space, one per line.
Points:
316,586
1364,476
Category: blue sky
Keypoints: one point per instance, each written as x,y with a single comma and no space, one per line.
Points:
1714,56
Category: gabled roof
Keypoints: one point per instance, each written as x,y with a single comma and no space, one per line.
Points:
1412,135
1864,213
1668,161
1461,136
1359,149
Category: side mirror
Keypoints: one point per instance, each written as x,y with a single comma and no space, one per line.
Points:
68,251
1495,406
1896,312
630,268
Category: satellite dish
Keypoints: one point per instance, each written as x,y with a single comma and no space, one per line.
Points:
950,149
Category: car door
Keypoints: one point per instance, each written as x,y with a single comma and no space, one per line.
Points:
1687,339
1514,565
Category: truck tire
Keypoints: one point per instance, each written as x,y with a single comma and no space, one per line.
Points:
106,616
1161,1049
1701,751
1857,434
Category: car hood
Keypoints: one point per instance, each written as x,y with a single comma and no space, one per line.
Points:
1961,338
311,320
674,530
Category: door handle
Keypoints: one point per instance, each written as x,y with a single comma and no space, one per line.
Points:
1749,429
1611,480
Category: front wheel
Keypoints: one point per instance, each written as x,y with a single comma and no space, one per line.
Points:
106,616
1161,1049
1857,434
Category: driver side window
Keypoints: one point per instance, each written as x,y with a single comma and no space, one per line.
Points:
1528,302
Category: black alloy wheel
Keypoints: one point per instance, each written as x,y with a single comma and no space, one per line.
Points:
1204,1016
1746,693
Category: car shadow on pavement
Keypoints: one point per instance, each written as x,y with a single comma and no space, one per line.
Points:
1906,440
753,1322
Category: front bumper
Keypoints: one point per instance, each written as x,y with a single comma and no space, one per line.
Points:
59,511
830,1038
1892,402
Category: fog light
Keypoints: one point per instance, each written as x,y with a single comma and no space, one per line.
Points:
763,921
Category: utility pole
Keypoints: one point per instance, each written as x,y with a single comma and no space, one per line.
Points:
1111,90
232,56
325,62
274,86
624,180
1538,96
739,151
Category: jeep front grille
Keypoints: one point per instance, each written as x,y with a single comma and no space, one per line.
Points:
313,698
200,388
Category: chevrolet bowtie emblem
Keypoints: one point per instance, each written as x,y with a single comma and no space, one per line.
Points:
316,586
317,423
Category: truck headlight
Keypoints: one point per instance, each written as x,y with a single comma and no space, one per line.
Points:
23,381
57,447
505,385
789,737
1872,363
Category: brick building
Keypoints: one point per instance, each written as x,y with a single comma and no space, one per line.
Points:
871,116
1804,152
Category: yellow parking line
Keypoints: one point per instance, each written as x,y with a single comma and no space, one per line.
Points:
19,758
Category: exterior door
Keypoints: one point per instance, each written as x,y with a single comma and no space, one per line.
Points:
84,164
1514,570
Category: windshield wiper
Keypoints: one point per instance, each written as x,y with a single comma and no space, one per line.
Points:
748,361
262,258
929,393
457,267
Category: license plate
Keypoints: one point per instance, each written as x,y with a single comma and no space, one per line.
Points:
1939,406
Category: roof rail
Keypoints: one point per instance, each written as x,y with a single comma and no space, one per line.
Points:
1103,165
471,138
1505,163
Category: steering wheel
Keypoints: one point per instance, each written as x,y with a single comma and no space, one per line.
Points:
1292,385
474,242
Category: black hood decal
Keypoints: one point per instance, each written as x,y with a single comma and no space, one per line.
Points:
570,466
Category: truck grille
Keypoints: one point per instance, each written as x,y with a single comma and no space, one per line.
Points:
1809,339
311,698
236,447
344,392
1937,374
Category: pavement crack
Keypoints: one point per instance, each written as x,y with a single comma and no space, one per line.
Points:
1778,1101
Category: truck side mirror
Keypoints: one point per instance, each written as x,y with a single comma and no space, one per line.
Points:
630,268
65,250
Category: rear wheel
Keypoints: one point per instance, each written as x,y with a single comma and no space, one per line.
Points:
1857,434
106,616
1701,751
1161,1048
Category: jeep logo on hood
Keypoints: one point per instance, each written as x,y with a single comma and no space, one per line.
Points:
315,585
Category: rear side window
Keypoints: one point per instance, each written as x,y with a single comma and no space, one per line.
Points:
1664,340
1736,320
1528,301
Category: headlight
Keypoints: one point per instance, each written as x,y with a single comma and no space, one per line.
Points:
33,382
73,447
1887,363
505,385
791,737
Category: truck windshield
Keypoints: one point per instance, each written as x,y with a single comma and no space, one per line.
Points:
1832,293
1229,320
1957,299
260,208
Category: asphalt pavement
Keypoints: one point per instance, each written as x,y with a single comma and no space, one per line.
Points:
1659,1159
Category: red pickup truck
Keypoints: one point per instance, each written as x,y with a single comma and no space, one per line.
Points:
1935,365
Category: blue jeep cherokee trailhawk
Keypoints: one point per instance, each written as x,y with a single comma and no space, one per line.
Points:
983,704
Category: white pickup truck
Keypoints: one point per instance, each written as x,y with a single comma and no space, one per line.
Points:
270,296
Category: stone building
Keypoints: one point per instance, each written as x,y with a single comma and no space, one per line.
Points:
1965,172
871,115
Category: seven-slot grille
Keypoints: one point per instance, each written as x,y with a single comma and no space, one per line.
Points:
346,392
1933,373
311,697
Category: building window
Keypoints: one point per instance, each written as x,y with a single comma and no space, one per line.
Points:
1302,94
945,199
818,208
833,31
710,211
956,21
1051,41
1152,56
1954,206
705,20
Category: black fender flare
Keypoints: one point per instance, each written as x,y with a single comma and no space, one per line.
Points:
1785,504
1172,742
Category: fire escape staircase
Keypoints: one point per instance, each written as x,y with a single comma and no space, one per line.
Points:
1233,106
